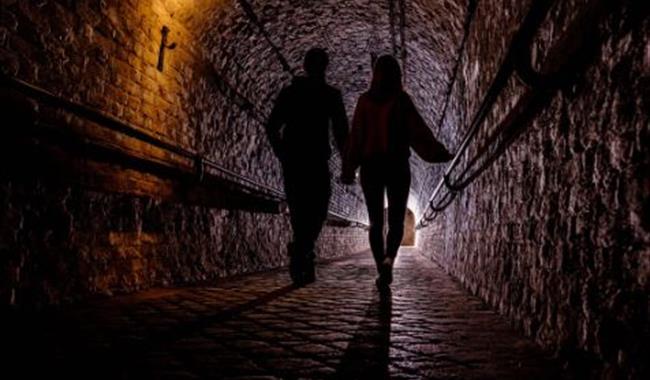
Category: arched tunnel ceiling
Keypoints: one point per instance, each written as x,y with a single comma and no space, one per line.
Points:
232,33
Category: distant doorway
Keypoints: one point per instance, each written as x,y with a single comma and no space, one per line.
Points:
409,228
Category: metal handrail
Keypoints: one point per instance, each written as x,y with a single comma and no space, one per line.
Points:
498,84
200,164
119,126
354,222
517,60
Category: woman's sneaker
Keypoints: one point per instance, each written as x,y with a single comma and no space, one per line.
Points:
385,274
387,270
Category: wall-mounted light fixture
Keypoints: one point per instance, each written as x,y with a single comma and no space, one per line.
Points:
163,47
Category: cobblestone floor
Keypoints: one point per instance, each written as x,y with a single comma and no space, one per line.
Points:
258,327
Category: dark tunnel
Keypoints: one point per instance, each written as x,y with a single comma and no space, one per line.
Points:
144,226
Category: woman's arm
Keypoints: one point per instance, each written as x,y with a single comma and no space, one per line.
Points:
276,121
421,138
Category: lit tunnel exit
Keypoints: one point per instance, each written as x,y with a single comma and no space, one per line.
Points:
408,240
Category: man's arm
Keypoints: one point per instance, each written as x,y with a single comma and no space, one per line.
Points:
421,138
339,123
353,147
275,123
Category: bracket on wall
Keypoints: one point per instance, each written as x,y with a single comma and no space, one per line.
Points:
163,47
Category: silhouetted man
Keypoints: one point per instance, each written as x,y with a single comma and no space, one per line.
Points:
298,130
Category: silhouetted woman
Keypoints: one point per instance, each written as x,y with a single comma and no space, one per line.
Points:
386,125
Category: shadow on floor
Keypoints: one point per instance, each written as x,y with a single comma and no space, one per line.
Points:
367,356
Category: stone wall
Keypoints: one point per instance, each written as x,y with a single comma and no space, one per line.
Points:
555,234
64,243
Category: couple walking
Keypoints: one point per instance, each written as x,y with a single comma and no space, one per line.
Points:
385,126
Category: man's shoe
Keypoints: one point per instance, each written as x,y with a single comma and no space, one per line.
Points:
295,266
309,269
295,271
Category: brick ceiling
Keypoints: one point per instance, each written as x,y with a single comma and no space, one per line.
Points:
247,40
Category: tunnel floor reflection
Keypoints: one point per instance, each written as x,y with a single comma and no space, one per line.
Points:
257,326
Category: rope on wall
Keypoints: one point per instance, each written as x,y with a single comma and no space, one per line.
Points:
252,17
467,24
397,30
402,35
